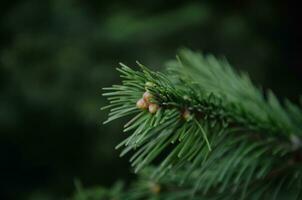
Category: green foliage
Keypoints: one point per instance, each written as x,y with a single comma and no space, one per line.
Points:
55,55
98,193
213,129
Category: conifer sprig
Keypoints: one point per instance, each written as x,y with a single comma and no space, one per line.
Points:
209,123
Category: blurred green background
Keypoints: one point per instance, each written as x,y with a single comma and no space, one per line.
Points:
56,55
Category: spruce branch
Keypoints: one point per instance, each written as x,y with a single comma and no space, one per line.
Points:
210,124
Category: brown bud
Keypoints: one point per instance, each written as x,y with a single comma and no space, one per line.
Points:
153,108
187,115
147,96
141,104
155,188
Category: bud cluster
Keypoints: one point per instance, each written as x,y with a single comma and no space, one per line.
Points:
145,103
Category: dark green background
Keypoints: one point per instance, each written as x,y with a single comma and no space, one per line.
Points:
56,55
